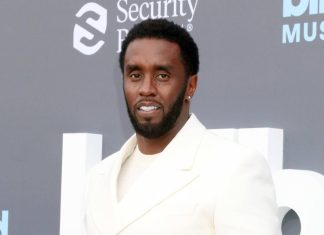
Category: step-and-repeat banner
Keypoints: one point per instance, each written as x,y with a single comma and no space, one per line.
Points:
261,66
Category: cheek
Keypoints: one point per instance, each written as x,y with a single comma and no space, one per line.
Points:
128,100
170,96
129,92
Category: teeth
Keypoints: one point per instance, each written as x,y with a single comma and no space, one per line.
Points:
148,108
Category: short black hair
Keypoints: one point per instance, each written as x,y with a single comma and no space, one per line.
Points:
167,30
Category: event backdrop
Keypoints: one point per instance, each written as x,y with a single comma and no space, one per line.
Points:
261,66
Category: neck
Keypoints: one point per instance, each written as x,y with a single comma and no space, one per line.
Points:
157,145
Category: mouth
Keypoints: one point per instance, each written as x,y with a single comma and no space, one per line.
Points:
148,108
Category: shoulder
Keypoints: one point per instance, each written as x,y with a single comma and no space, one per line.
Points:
221,146
216,151
104,165
229,156
96,175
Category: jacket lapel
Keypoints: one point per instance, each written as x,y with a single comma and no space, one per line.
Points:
167,175
105,211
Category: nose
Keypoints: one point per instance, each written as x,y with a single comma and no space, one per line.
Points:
147,87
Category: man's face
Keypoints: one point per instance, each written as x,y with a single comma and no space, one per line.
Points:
154,85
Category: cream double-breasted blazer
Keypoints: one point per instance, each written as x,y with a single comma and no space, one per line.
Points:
201,185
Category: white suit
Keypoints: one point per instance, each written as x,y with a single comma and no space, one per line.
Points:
201,185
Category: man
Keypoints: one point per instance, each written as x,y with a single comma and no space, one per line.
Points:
173,177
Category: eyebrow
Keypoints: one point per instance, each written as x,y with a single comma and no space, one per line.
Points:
164,67
132,67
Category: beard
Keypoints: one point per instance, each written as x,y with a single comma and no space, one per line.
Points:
152,131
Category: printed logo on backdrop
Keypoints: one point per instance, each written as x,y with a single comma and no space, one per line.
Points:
84,40
298,29
128,11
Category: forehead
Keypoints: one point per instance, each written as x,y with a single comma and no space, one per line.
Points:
152,51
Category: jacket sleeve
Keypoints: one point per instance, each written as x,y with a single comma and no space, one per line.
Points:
248,205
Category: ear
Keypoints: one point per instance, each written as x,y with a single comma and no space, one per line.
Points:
191,86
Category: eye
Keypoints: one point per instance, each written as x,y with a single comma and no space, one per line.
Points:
135,76
163,76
